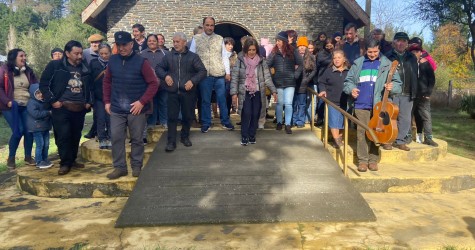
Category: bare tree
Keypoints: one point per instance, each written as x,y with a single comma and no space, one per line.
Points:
11,40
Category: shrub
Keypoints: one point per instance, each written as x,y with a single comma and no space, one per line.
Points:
467,104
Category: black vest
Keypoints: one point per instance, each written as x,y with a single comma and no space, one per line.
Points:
128,83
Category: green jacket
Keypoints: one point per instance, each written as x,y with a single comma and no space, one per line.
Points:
352,79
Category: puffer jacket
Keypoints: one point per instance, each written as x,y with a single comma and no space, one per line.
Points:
39,117
181,67
286,74
238,81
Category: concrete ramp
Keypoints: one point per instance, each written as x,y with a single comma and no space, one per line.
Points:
282,178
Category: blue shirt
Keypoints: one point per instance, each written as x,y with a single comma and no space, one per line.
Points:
367,80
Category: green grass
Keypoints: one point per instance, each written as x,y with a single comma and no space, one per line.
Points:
457,128
5,133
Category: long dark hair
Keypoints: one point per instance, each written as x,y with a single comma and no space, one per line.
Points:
309,61
11,61
287,50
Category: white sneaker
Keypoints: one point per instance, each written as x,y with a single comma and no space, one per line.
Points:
419,138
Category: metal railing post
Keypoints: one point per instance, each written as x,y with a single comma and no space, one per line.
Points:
325,128
313,111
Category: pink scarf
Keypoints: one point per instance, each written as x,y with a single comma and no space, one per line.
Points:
251,79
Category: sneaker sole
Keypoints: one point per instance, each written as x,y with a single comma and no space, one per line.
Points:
45,167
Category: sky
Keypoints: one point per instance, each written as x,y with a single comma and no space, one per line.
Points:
409,23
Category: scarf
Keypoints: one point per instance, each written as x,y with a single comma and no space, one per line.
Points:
251,79
103,62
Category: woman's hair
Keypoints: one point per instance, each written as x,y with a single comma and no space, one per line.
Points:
11,58
309,61
156,37
287,50
11,61
229,40
339,51
248,43
105,45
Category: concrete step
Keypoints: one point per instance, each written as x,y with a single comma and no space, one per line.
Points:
450,174
418,153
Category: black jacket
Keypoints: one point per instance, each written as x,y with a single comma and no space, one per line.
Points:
407,70
331,81
286,74
181,67
55,78
97,75
426,80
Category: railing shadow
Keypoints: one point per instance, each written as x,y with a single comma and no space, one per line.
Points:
347,116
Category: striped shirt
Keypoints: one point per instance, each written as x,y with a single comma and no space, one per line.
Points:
368,75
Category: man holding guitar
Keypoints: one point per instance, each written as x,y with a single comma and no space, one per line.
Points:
366,82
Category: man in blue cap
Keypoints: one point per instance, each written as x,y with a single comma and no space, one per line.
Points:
129,85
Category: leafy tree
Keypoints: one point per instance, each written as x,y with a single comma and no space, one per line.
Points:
449,11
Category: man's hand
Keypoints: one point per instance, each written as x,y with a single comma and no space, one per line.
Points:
275,97
355,92
389,86
57,105
9,104
87,105
323,93
108,108
169,80
227,77
136,108
188,85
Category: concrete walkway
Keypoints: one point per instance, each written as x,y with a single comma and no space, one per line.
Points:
404,221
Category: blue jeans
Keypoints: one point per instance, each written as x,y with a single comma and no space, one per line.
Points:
42,145
300,101
15,140
103,121
206,88
285,96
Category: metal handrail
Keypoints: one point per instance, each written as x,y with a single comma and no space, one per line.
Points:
346,116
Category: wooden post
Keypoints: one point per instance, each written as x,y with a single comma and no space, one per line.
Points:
368,11
449,93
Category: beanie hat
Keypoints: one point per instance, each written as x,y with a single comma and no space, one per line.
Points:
56,50
401,35
302,41
282,36
416,40
338,33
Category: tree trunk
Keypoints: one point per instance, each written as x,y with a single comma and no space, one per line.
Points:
472,47
368,11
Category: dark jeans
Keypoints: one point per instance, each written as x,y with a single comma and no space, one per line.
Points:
300,102
422,115
366,150
42,145
251,110
229,99
206,87
67,127
15,140
184,102
103,121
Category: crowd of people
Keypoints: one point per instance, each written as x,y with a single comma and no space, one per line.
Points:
139,83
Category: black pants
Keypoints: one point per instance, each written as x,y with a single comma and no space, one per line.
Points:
251,110
67,127
422,115
184,102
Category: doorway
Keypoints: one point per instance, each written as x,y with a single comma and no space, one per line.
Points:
227,29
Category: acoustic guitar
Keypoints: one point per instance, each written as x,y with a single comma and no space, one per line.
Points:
384,119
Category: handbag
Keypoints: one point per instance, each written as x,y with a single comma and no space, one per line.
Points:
74,106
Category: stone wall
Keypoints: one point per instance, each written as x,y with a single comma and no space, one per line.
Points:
262,18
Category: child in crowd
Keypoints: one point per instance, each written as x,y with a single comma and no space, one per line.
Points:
39,123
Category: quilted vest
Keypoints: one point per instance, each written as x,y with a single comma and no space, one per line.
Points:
210,49
128,83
